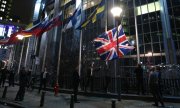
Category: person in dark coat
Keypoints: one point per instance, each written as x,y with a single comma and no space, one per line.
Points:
139,79
76,81
107,78
154,84
4,73
43,79
22,85
11,77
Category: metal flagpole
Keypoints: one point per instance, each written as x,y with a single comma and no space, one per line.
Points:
60,46
80,44
20,60
106,17
45,54
56,10
27,51
137,38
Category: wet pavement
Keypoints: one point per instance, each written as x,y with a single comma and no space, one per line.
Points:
32,100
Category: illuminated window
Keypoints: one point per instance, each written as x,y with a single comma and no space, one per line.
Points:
2,10
2,30
3,6
148,8
10,31
90,3
1,18
4,2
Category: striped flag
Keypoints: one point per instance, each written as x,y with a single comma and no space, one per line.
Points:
98,13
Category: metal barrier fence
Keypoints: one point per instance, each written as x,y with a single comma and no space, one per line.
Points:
127,85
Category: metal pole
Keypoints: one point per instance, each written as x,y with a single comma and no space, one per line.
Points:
27,51
106,17
45,53
113,105
72,101
20,60
116,64
59,57
137,38
80,45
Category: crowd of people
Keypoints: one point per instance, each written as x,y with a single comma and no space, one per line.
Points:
154,81
25,80
6,74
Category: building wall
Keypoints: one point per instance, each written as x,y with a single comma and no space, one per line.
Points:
150,34
5,9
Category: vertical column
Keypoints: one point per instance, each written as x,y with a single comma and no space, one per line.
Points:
167,34
137,38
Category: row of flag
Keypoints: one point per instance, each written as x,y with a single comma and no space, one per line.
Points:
109,45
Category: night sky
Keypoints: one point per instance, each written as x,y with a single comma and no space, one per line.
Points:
23,9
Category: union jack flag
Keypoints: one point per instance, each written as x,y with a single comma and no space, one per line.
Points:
106,44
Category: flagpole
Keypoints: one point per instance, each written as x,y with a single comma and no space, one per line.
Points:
106,20
20,60
80,44
60,47
27,51
137,38
56,7
45,53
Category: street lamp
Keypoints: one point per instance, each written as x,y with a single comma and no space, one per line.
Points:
116,11
20,37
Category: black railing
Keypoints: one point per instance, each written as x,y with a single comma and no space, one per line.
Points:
127,85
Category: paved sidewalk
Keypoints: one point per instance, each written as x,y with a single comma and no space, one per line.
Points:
32,100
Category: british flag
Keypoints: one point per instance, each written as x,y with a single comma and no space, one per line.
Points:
106,44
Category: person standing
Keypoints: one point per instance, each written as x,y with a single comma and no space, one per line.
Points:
107,78
43,79
139,79
76,81
22,84
4,73
11,77
154,84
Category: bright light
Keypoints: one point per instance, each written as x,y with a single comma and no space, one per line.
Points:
116,11
149,53
92,3
133,42
20,37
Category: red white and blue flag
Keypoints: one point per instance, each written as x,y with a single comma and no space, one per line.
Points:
112,46
44,26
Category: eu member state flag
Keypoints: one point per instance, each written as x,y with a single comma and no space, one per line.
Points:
112,45
98,13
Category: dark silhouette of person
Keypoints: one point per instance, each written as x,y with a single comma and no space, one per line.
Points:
139,79
43,79
11,77
154,84
107,78
22,85
76,81
4,73
29,78
90,79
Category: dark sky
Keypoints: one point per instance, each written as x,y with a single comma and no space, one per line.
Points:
23,9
